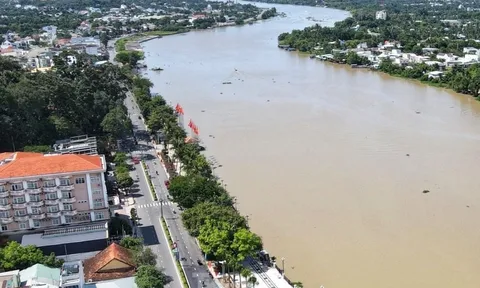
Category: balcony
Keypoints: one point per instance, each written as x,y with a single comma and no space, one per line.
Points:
50,189
38,216
52,201
17,193
69,212
69,200
5,206
21,218
36,203
67,187
19,205
53,214
34,190
6,220
4,194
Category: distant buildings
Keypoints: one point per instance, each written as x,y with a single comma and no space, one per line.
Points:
42,191
381,15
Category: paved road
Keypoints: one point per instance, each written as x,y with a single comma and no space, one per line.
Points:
187,247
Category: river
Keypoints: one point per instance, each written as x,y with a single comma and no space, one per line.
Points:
330,163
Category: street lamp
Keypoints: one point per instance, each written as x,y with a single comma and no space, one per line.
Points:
283,267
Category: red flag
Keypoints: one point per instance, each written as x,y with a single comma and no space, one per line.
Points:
180,109
190,124
177,108
195,130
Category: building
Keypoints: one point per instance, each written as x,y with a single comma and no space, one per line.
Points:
78,144
72,275
40,275
10,279
114,262
381,15
40,191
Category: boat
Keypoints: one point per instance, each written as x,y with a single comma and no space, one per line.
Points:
228,82
157,69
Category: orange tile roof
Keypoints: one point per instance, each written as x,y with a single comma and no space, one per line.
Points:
35,164
92,267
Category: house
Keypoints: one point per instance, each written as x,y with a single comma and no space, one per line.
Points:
10,279
435,74
71,275
114,262
40,191
40,275
381,15
116,283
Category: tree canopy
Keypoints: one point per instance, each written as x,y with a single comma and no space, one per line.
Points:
150,277
15,256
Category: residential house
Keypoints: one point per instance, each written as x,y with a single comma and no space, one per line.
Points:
41,191
114,262
40,275
10,279
381,15
72,275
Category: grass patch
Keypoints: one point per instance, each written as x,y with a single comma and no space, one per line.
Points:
120,45
149,181
179,265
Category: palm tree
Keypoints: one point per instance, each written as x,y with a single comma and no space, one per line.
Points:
252,280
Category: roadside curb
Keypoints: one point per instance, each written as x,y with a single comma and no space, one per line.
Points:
171,254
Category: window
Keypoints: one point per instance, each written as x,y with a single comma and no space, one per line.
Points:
4,227
72,286
97,192
68,219
17,187
36,223
32,185
52,196
55,221
67,194
67,207
99,216
49,183
36,211
20,213
2,188
3,201
98,203
19,200
35,198
79,180
4,214
22,225
52,209
64,182
94,179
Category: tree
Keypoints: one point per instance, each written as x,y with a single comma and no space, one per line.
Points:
119,227
120,158
117,123
14,256
124,180
216,238
132,243
149,277
129,57
145,257
245,244
188,191
245,273
134,215
252,280
195,218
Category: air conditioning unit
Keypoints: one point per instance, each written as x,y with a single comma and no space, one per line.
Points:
89,281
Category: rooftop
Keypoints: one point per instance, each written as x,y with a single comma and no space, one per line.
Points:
117,283
114,262
40,275
24,164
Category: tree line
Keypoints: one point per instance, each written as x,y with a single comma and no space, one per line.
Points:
209,213
69,100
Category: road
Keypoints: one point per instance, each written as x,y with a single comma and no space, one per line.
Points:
188,250
149,211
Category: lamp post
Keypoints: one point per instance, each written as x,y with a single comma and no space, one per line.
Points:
283,267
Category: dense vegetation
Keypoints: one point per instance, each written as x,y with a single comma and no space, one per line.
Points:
223,233
15,256
414,25
39,108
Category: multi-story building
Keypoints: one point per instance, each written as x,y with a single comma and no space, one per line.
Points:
40,191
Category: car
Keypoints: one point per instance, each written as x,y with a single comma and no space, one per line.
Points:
200,262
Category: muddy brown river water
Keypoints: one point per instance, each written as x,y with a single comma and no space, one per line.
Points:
329,162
